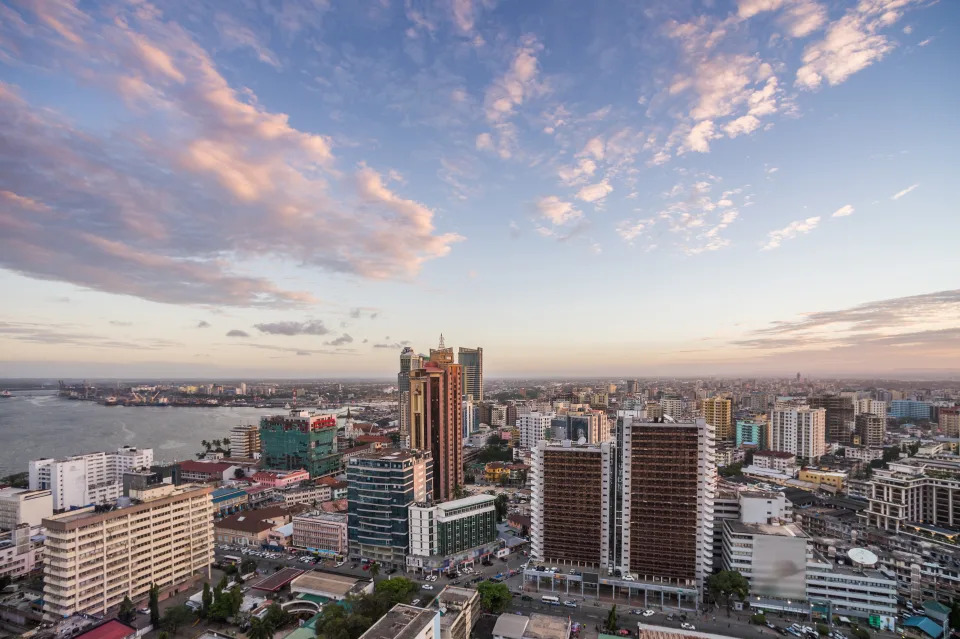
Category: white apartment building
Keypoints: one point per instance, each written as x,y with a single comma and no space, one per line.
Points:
94,559
777,460
853,591
672,407
799,430
913,493
498,415
245,441
866,455
19,553
533,427
93,478
23,506
874,406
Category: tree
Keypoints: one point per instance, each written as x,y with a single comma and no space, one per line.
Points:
731,470
374,570
126,612
500,504
611,625
154,605
494,597
206,600
175,617
495,441
759,619
247,566
163,635
399,589
822,629
277,617
459,492
205,444
955,615
727,583
260,629
239,474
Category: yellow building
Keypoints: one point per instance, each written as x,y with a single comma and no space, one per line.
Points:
718,411
831,478
493,472
92,560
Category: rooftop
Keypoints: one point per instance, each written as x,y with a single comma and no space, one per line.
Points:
85,517
779,454
327,583
192,466
456,595
276,581
401,622
112,629
511,626
786,530
547,627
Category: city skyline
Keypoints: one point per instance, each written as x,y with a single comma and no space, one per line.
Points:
290,193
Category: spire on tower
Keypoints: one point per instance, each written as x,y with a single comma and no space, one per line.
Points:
441,341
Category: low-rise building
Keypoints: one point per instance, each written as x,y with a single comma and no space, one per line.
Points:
305,494
338,489
863,453
536,626
824,478
206,471
459,611
251,527
330,585
21,549
281,478
323,533
406,622
776,460
229,499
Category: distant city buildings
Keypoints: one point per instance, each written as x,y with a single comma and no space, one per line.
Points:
873,406
300,440
839,416
381,488
753,431
909,409
870,429
718,411
93,478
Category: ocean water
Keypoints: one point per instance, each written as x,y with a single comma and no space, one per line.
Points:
36,424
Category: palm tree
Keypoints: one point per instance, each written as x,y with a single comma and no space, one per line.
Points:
205,444
374,570
259,629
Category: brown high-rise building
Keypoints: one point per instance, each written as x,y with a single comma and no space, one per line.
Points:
569,520
718,411
840,416
870,429
668,487
436,419
949,420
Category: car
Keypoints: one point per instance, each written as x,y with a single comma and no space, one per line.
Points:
688,626
572,571
629,578
570,603
771,626
144,611
415,602
554,569
623,632
526,598
427,587
340,563
648,613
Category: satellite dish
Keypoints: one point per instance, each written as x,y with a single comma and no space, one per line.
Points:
862,556
582,440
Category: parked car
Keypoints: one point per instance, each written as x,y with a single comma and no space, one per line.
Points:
427,587
648,613
570,603
687,626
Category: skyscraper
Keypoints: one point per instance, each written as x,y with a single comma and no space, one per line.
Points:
471,359
436,418
718,411
409,361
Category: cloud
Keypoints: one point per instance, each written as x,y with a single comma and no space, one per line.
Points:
119,323
69,335
394,345
852,43
594,192
743,124
900,194
571,175
557,211
234,35
630,231
203,324
189,152
340,341
790,231
289,328
237,333
594,147
507,93
843,211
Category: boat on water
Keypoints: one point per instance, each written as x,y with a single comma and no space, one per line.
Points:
5,394
110,401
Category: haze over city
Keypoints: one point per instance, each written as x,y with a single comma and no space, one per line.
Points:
305,188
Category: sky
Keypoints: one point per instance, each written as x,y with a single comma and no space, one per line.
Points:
300,188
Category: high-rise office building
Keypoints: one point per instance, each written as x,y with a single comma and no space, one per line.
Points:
870,429
469,416
534,427
436,419
672,407
450,529
245,441
298,440
471,361
718,411
799,430
93,560
81,480
580,422
381,486
949,421
839,416
633,387
409,361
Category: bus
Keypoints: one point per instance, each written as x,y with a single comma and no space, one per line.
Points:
551,600
233,559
